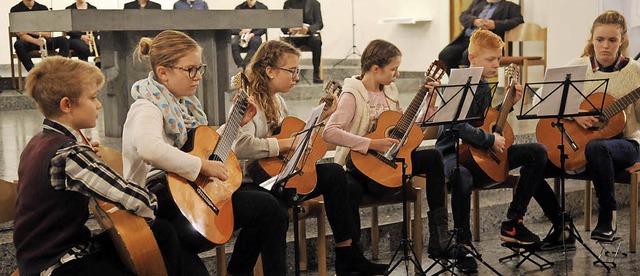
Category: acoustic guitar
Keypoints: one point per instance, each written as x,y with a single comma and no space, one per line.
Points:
203,213
610,124
382,167
263,169
132,238
485,161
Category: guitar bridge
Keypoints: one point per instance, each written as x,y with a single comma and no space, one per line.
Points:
383,159
207,200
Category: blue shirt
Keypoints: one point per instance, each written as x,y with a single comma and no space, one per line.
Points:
186,5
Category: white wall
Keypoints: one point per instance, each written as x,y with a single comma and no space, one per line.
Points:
420,43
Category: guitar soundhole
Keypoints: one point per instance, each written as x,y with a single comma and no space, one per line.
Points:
602,122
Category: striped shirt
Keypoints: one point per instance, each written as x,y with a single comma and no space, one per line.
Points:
76,167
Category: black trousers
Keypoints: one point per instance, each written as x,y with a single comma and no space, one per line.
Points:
455,54
251,49
427,162
263,222
23,48
315,43
106,261
81,48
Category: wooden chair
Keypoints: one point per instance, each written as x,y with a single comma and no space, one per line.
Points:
15,62
631,176
525,32
510,183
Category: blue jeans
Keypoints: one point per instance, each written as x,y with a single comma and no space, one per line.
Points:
605,158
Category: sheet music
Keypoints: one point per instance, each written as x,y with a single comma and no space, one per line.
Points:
453,95
552,93
302,142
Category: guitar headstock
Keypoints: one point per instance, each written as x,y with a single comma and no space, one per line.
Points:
435,72
332,88
512,72
240,82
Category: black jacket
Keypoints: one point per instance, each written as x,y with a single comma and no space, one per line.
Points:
506,16
73,7
135,5
311,14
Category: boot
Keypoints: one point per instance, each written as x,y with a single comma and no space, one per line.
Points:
606,228
349,260
465,262
440,238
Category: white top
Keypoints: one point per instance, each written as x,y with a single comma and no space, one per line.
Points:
145,145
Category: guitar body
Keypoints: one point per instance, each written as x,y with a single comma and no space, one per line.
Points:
480,161
377,169
198,225
550,136
132,238
305,182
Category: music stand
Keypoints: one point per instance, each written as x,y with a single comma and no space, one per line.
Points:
354,49
453,106
553,103
293,167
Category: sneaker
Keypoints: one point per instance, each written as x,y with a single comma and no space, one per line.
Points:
606,228
514,231
465,262
558,239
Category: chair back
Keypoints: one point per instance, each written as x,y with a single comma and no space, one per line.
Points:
525,32
8,193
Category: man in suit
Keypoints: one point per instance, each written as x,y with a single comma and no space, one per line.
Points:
253,36
498,16
312,23
142,4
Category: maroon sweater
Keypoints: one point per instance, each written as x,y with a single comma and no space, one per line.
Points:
48,222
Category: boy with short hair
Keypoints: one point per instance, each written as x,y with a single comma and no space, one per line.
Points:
58,174
485,50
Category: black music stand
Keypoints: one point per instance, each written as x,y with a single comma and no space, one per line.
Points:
563,87
458,104
290,196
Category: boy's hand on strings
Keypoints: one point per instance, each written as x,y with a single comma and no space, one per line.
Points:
498,143
383,144
215,169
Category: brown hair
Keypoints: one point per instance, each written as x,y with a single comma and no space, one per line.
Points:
614,18
166,48
269,54
57,77
378,52
484,39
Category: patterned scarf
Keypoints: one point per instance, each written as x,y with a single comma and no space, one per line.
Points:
180,114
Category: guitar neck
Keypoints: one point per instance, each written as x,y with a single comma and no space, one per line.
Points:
408,117
232,128
507,104
621,103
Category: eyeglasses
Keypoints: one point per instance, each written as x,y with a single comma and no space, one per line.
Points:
192,70
295,72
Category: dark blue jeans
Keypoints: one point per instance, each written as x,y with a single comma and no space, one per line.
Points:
605,158
532,160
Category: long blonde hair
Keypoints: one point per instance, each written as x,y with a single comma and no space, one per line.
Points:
165,49
269,54
614,18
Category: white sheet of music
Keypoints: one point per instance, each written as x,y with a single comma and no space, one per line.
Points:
453,95
552,93
302,142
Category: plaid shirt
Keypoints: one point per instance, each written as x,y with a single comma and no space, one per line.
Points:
76,167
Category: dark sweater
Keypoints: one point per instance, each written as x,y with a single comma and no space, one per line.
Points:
48,222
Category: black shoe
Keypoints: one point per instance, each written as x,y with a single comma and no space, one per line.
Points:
606,228
441,244
465,262
317,80
349,260
514,231
558,238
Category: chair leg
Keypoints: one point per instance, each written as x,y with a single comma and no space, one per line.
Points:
375,233
20,82
475,202
221,261
633,226
322,242
588,205
302,244
417,227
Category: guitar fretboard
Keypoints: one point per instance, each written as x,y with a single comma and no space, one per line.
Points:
232,128
406,121
621,103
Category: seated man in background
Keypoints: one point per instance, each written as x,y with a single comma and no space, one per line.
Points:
80,41
190,5
497,16
142,4
32,41
308,32
249,39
